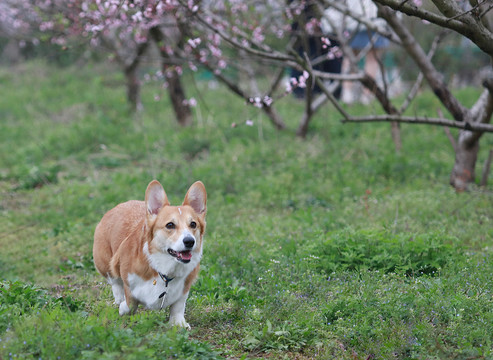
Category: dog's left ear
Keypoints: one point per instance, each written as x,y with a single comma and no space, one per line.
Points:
197,198
156,198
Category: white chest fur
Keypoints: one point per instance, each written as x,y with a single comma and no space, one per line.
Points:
153,293
150,292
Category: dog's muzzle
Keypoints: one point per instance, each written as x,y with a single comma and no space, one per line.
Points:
183,256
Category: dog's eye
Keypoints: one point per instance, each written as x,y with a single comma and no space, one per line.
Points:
193,224
170,225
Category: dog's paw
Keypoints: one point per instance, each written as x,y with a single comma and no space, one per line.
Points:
180,322
119,300
124,309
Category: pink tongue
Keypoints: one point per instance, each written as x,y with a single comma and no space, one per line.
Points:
185,255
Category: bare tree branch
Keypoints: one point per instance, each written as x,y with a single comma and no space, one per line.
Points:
266,108
467,25
332,98
470,126
433,77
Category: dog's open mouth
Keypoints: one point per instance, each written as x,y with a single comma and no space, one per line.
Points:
183,256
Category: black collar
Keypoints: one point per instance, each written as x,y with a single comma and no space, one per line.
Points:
166,281
165,278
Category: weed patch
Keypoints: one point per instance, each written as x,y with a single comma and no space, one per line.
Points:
18,300
413,254
58,334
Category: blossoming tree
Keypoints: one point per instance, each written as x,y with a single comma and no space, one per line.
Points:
263,40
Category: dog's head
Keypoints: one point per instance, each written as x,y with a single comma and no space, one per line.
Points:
176,230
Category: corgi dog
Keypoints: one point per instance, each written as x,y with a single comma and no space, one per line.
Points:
149,251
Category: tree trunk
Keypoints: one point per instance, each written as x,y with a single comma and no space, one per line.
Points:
12,52
133,88
486,169
175,87
178,99
466,154
396,136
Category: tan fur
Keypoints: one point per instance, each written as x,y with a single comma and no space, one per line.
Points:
191,279
123,231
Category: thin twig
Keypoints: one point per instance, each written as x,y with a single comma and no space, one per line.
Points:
485,12
414,90
468,11
446,129
332,99
276,82
451,138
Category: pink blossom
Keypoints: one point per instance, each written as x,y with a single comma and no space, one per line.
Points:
325,42
48,25
137,17
312,26
59,41
249,122
203,56
190,102
302,82
257,102
222,64
257,34
215,51
194,42
268,100
334,53
140,38
191,6
192,66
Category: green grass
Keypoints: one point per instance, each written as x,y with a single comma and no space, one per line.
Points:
332,247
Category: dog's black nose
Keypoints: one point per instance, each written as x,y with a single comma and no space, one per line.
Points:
189,242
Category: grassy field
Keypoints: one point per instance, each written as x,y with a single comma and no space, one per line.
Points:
332,247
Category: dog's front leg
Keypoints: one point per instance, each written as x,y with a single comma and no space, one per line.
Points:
177,312
129,305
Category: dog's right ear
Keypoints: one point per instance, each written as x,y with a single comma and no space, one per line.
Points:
156,199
